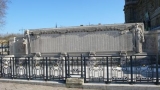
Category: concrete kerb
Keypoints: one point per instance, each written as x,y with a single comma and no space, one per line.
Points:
102,86
95,86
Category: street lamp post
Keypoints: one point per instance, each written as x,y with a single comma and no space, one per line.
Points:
22,30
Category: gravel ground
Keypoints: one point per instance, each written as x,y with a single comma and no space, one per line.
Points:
16,86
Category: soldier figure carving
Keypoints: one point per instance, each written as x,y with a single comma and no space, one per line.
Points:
139,38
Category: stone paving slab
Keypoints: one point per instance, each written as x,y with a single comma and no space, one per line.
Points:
17,86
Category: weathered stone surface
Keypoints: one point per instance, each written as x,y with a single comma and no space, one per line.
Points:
151,42
83,39
74,82
17,46
36,85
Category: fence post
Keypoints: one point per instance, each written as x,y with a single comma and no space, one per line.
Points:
157,75
68,67
29,68
8,48
46,69
131,61
11,65
2,47
81,66
26,67
85,70
13,61
65,67
1,67
107,70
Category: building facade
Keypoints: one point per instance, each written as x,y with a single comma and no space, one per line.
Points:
146,11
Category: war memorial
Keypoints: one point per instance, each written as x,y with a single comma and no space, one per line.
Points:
113,53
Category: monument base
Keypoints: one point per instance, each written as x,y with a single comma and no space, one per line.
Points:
74,82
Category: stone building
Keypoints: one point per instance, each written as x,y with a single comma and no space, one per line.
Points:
146,11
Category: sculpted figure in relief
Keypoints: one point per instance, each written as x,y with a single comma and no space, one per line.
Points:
139,38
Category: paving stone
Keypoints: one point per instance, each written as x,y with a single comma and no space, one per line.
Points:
16,86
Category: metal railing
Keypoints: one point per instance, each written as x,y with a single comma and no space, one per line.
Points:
108,69
118,69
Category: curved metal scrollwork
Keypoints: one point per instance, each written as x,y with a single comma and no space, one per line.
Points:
95,69
6,64
56,68
38,69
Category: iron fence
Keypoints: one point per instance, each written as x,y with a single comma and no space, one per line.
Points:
122,69
108,69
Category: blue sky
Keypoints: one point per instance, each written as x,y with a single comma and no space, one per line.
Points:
30,14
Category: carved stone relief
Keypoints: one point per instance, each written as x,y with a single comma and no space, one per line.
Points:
138,34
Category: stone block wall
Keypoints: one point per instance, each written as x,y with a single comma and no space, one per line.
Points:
150,45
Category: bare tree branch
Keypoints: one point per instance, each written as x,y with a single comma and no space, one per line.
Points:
3,7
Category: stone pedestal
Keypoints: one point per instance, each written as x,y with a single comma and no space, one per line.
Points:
74,82
123,57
